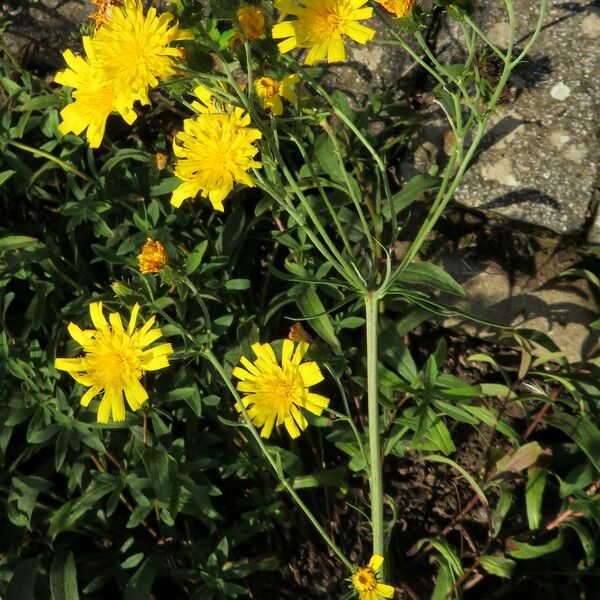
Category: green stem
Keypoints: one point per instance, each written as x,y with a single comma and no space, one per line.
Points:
212,359
42,153
376,483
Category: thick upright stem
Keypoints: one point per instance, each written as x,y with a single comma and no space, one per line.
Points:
371,308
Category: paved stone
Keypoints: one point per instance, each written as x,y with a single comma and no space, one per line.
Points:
561,308
45,28
541,166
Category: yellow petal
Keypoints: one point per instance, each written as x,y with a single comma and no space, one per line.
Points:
135,394
71,365
104,409
375,562
291,427
87,397
310,373
97,316
287,349
387,591
132,320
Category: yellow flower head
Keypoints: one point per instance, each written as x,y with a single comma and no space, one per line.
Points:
321,25
214,151
124,58
275,394
400,8
252,20
271,91
134,50
93,98
152,258
114,361
365,581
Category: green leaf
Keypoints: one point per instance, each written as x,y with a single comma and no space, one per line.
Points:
468,477
588,541
431,275
157,466
444,584
412,190
313,310
328,157
522,458
534,492
139,586
329,477
63,578
498,565
22,583
194,259
582,431
4,175
445,552
15,242
527,551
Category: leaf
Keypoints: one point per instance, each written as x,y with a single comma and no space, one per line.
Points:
498,565
63,578
431,275
313,310
446,552
329,477
586,538
469,478
157,466
527,551
22,583
4,175
193,261
582,431
15,242
139,586
412,190
522,458
444,584
328,157
534,492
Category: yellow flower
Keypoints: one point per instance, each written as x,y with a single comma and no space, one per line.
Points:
133,50
400,8
152,258
271,91
321,26
365,581
252,20
114,361
124,58
274,393
93,97
214,151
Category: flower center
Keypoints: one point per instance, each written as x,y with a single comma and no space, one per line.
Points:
282,392
114,362
267,87
364,580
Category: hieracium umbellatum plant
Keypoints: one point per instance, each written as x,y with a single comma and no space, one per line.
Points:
261,149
